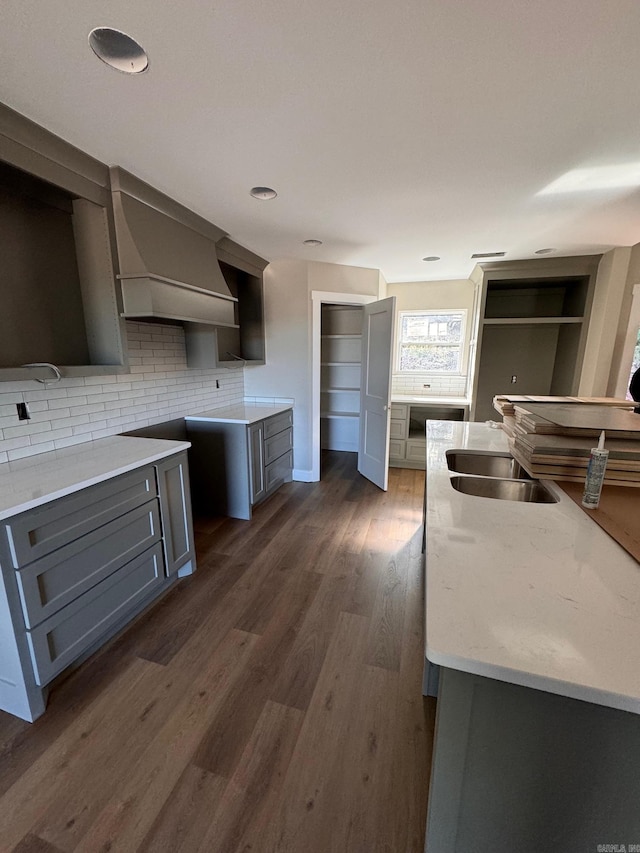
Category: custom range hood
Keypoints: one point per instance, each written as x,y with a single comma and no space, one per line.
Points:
169,269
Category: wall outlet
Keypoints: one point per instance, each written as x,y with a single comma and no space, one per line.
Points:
23,412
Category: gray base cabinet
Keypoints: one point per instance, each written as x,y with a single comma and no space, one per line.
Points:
234,466
76,569
524,770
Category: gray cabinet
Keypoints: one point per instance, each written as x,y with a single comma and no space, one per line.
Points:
243,342
532,328
57,263
407,442
175,507
256,461
77,569
234,466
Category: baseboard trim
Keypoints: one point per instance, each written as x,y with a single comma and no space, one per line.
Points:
302,476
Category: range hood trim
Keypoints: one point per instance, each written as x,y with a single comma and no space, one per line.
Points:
172,281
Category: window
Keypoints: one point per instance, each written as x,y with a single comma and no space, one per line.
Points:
430,341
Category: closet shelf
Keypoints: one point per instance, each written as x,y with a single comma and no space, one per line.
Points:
528,321
339,414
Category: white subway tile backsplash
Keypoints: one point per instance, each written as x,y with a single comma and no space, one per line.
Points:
159,387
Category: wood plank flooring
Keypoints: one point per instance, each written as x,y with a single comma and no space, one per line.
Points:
271,703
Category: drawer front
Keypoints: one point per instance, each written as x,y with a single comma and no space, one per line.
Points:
400,411
397,429
68,633
40,531
277,445
57,579
416,450
278,472
278,423
397,449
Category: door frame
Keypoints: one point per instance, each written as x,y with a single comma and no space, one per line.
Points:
318,299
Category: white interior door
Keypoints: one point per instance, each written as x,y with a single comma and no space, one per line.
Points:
375,390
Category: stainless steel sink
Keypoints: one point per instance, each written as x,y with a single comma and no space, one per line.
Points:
485,464
528,491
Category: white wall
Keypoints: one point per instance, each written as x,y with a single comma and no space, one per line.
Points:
623,350
288,285
434,296
158,388
608,298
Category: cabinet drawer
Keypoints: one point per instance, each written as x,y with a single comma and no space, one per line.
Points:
279,471
40,531
68,633
400,411
416,450
397,449
397,429
53,581
278,423
275,446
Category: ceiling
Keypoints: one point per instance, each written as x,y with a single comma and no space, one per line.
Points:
391,131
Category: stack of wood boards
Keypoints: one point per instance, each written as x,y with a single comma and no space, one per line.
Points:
554,441
506,404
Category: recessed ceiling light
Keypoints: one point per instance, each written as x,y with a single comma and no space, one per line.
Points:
312,242
431,258
263,193
489,255
544,251
118,50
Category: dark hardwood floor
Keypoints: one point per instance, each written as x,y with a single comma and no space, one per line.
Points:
271,702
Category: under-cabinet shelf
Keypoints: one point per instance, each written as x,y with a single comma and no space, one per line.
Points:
341,337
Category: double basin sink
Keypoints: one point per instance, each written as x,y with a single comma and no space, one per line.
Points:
494,475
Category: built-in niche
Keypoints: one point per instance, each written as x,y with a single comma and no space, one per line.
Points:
57,276
532,330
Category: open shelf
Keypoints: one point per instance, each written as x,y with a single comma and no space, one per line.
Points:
528,321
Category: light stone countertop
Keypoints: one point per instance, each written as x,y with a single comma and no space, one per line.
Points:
430,400
36,480
532,594
243,413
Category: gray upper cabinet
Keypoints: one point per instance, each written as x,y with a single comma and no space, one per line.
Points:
244,342
532,330
57,259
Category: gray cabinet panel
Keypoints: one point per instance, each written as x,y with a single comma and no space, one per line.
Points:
175,508
65,635
57,579
278,472
257,460
40,531
277,445
278,423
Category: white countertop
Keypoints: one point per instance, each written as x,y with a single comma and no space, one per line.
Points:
430,400
243,413
31,482
532,594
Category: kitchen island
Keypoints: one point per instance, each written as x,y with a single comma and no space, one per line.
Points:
533,616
